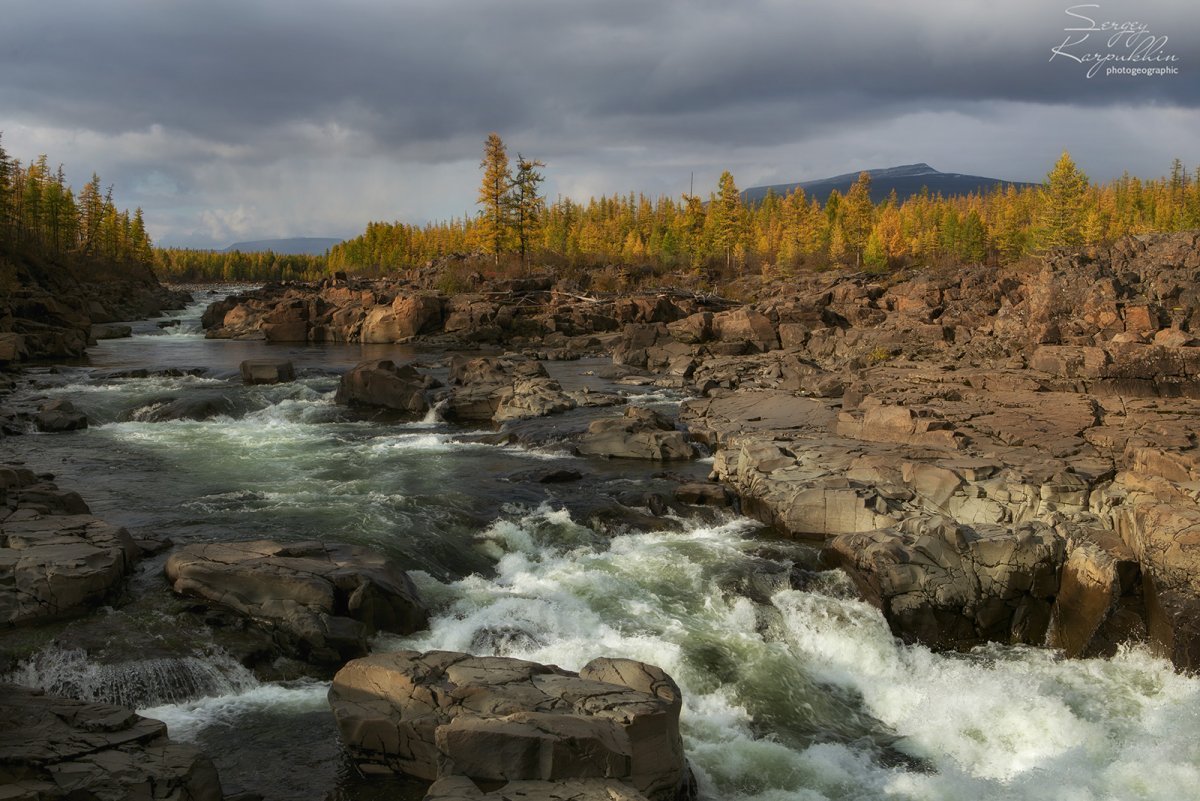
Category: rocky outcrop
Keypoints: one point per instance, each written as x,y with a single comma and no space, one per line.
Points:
494,720
320,602
383,384
57,748
953,586
48,306
56,559
501,389
639,434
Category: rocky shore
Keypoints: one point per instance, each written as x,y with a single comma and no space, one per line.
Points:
991,454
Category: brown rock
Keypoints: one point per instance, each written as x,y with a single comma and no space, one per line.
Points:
381,383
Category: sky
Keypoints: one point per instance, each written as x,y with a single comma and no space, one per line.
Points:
229,120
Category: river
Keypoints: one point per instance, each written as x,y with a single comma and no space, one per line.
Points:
794,688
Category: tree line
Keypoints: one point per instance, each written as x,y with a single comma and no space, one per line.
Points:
782,234
40,212
184,265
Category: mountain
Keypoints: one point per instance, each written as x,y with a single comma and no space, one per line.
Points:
310,245
907,180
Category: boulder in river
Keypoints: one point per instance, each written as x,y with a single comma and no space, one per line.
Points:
640,434
59,415
267,371
493,719
111,331
58,748
320,602
382,383
459,788
501,389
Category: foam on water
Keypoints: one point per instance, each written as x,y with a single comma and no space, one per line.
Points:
812,698
186,720
134,683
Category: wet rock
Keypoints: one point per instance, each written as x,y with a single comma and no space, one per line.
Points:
640,434
56,559
58,748
951,586
59,415
492,719
1101,578
381,383
320,601
704,494
204,407
267,371
111,331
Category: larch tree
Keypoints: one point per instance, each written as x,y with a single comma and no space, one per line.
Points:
857,215
726,209
495,196
527,204
1061,207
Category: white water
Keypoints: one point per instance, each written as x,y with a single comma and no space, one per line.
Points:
822,673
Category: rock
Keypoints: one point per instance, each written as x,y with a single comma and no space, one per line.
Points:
693,329
493,719
503,389
56,559
59,415
111,331
458,788
185,408
57,748
267,371
380,383
951,586
321,602
701,494
407,317
1100,573
748,326
640,434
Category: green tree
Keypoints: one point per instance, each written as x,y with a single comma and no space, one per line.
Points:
495,196
1058,221
726,211
857,215
527,204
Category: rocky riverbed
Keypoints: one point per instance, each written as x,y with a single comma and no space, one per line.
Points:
511,535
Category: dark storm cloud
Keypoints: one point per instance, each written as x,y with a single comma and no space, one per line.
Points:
291,85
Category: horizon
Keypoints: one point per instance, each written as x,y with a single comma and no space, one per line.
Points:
313,122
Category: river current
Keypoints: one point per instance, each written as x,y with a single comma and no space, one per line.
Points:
794,690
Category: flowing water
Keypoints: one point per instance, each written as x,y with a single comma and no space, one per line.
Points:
796,694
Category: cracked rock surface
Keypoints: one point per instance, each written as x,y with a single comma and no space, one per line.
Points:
56,559
442,714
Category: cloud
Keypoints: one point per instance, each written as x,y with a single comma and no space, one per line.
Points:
316,117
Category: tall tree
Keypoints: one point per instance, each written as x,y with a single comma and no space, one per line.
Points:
1060,211
726,209
857,216
527,204
495,196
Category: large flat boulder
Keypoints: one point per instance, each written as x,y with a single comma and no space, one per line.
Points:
639,434
267,371
493,719
321,602
56,748
56,559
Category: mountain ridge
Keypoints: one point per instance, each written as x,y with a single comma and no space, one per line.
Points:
906,179
289,246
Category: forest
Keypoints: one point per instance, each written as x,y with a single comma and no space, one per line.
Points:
42,216
719,237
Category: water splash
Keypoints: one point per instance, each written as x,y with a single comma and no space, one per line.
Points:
137,683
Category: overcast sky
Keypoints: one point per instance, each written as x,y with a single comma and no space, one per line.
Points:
243,119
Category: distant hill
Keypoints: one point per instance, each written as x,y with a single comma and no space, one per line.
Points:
907,180
309,245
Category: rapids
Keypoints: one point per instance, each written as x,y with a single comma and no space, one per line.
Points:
790,694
